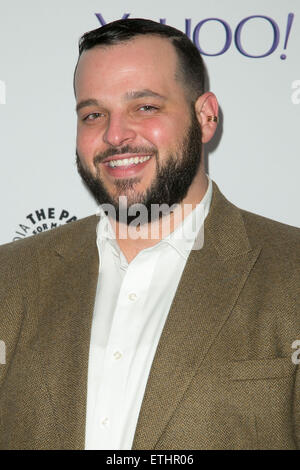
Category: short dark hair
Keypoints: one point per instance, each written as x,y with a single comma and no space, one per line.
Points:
191,69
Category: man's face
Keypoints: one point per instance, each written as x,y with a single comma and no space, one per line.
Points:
131,106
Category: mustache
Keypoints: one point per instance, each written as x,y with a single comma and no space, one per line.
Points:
123,150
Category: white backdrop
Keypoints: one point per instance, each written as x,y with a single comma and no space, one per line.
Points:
254,159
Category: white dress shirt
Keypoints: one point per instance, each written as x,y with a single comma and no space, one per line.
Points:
131,307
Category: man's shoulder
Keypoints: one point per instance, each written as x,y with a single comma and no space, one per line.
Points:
270,233
15,252
233,227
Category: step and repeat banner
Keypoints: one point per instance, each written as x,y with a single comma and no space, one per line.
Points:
251,49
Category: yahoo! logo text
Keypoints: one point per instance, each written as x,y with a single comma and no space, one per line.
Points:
235,35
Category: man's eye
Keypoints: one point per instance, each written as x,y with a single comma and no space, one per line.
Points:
148,108
92,116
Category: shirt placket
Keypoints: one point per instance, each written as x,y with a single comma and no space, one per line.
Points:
120,350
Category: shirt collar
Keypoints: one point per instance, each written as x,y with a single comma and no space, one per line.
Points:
183,237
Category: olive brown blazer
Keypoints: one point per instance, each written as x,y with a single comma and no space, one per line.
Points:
222,376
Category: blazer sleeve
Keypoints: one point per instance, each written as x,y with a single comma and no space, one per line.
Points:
16,274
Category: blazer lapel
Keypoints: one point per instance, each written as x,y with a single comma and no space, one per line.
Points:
210,285
68,280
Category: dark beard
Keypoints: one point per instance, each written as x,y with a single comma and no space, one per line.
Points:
170,186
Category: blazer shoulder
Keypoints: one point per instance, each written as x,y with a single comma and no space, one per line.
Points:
270,233
14,255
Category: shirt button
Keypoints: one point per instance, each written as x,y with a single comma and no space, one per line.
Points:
117,355
105,422
132,296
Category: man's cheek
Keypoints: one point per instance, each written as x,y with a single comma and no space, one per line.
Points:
155,132
88,141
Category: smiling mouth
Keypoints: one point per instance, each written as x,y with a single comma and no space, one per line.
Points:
124,162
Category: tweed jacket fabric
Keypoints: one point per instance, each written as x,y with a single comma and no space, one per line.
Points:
222,376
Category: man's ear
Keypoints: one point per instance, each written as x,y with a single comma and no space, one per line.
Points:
206,108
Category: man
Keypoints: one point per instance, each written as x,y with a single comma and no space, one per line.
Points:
150,342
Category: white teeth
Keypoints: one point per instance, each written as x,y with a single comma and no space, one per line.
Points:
128,161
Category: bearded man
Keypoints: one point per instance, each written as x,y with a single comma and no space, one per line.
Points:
119,339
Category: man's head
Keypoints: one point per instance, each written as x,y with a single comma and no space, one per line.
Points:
139,88
190,69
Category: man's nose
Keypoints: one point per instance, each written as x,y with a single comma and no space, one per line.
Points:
118,131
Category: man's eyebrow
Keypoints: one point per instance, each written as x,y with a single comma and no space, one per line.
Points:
84,103
132,95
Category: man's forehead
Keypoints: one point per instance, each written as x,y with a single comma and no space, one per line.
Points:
151,60
149,48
